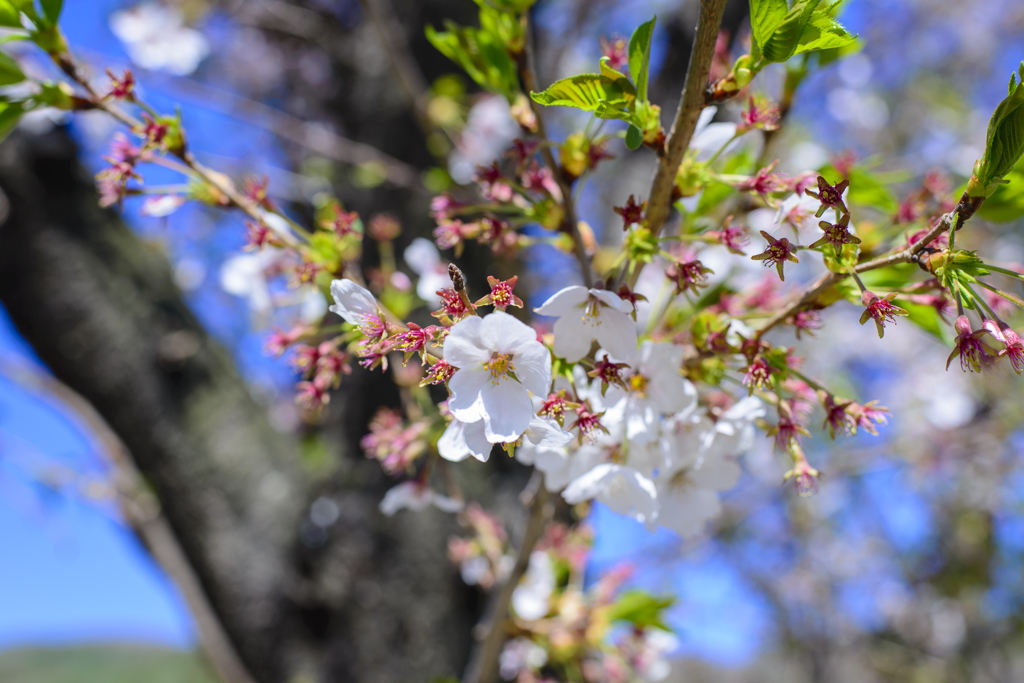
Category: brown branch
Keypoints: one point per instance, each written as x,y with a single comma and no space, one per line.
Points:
141,511
483,667
825,281
659,202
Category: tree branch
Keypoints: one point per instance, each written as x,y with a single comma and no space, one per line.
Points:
659,202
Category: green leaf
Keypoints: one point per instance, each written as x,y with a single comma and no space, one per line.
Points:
640,609
51,9
784,40
10,14
634,137
640,57
765,17
1004,143
866,189
10,113
10,72
480,54
587,92
823,32
927,318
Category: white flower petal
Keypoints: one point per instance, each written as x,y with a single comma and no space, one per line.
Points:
507,410
353,303
716,473
452,444
564,301
464,347
687,509
612,300
546,434
573,337
622,489
422,256
465,402
502,333
533,368
617,335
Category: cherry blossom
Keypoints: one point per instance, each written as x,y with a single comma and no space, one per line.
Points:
585,315
621,488
462,440
357,306
500,364
531,599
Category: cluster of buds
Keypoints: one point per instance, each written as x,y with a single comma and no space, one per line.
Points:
485,557
320,367
393,443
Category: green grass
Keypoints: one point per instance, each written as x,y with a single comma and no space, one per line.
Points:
103,664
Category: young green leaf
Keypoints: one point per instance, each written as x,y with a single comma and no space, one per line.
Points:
515,6
480,54
765,17
1005,140
640,609
640,57
634,137
586,92
10,14
823,32
52,9
785,39
1007,204
10,72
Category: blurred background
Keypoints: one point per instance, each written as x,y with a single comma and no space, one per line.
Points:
905,567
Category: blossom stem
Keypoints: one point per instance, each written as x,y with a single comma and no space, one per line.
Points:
980,300
483,666
856,277
721,149
1006,295
810,382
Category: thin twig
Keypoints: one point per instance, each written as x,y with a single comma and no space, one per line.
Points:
483,667
825,281
659,201
141,511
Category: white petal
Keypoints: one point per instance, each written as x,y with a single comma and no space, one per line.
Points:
564,301
687,509
452,444
612,300
573,337
465,402
533,368
464,347
421,255
672,393
707,115
353,303
507,410
502,333
446,504
531,599
617,335
409,494
476,441
622,489
546,434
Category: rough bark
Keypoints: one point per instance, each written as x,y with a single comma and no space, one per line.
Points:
366,599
